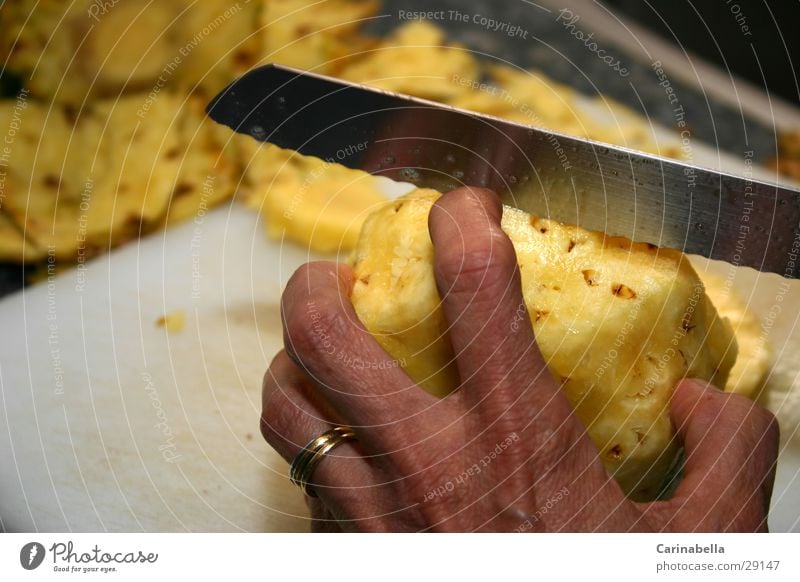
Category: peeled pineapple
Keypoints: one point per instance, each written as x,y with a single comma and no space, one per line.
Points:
618,323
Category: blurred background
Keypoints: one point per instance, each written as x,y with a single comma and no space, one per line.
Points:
714,31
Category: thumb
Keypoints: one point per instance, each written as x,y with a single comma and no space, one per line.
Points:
731,447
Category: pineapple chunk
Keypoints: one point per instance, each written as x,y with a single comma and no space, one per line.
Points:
76,186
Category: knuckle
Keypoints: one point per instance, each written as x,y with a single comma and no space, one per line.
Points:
268,382
756,424
469,190
305,286
272,413
480,199
453,200
264,427
280,419
316,331
761,415
773,428
299,281
267,424
276,371
271,384
750,412
765,422
489,264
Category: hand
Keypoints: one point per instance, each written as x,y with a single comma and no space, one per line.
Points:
504,452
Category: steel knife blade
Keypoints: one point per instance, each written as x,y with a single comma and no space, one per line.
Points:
598,186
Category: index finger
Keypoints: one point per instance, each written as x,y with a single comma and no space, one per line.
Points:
323,334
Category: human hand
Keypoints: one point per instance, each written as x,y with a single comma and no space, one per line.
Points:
505,452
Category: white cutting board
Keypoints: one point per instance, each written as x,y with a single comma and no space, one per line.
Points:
108,422
92,458
89,457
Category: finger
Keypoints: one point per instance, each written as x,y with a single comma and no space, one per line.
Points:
731,447
476,271
292,416
502,371
364,385
477,275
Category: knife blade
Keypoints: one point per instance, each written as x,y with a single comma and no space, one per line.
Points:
598,186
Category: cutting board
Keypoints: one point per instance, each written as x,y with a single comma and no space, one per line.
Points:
111,422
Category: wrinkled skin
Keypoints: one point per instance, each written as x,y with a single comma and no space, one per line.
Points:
414,465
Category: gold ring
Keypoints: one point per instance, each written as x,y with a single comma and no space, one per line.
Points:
307,459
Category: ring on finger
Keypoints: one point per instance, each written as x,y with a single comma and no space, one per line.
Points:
304,463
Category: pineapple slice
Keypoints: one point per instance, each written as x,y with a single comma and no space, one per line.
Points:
77,185
73,52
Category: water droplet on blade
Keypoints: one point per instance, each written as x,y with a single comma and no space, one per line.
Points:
410,175
258,132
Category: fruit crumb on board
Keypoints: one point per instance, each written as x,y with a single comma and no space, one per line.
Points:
172,322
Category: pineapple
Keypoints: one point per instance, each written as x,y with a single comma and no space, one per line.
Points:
618,323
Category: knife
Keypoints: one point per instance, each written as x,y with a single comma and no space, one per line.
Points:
598,186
